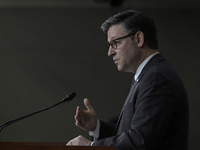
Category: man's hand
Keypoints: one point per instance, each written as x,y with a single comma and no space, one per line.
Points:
80,140
86,119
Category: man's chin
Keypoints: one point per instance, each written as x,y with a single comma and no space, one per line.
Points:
122,69
119,68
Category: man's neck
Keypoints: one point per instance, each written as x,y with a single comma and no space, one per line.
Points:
146,53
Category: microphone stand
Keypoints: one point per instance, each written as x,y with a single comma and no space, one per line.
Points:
66,99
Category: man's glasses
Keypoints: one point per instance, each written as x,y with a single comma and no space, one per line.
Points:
115,42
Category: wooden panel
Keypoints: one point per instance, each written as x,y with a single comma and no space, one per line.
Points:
48,146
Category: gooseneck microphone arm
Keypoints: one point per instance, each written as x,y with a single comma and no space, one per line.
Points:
66,99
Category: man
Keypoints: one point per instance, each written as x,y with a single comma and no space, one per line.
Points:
155,113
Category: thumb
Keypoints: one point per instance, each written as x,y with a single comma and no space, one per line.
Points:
88,105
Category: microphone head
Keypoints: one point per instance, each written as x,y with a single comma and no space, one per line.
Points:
70,96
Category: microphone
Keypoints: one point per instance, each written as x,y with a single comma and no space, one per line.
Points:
66,99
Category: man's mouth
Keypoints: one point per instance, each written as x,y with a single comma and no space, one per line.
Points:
115,60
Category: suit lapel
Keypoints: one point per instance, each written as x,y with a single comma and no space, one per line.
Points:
125,103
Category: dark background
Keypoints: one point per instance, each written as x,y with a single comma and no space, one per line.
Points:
50,48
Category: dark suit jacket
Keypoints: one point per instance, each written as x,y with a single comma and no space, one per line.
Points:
155,114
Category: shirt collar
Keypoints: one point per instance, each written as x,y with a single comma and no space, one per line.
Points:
141,66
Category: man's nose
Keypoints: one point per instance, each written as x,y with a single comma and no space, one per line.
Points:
111,51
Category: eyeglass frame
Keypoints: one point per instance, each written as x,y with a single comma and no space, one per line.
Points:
115,40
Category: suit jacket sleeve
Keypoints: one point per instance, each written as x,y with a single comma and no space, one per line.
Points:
106,129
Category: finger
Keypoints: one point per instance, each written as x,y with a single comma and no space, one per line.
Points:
77,116
77,119
88,104
79,124
78,109
80,114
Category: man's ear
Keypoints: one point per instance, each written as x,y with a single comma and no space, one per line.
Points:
139,36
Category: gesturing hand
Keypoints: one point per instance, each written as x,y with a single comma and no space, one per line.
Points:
86,119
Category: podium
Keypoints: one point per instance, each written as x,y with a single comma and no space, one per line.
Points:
48,146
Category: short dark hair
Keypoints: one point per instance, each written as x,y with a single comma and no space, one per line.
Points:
133,21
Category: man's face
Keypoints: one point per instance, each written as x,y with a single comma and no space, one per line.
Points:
127,55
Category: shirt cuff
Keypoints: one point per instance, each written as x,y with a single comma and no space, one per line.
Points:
95,133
